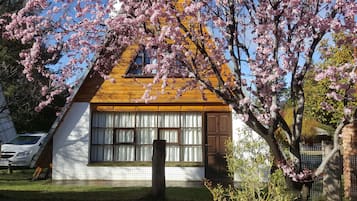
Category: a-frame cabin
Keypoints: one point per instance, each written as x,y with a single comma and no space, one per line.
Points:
107,132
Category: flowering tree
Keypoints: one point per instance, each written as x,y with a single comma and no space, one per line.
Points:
268,44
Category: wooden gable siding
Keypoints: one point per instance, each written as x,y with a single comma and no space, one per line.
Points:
130,90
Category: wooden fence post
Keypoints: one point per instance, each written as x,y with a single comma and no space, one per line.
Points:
158,170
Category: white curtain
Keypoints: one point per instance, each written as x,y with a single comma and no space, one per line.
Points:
146,133
103,119
172,148
124,120
170,135
169,120
101,153
102,136
102,140
146,119
192,153
135,133
124,152
144,152
172,153
124,136
191,136
191,119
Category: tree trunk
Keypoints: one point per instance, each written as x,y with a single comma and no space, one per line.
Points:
300,189
158,170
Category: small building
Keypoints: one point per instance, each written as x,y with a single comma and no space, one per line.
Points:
7,129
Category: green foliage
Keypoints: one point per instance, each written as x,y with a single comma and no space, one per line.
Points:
315,92
249,160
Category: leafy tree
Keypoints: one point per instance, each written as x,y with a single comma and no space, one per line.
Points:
269,45
331,111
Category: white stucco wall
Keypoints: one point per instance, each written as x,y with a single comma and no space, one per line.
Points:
71,155
238,128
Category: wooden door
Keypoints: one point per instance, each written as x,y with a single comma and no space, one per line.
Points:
218,129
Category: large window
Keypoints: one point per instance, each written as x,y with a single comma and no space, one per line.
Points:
128,136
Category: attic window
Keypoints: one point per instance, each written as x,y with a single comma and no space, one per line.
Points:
137,68
145,57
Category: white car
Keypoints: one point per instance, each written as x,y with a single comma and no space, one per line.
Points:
21,150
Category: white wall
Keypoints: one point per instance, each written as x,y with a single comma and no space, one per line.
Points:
71,155
238,128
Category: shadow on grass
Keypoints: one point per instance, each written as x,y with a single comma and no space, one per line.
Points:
106,194
17,175
120,195
136,194
19,187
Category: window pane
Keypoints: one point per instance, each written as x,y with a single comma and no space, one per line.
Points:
147,58
191,119
124,153
169,120
146,120
192,153
102,153
171,136
172,153
124,136
102,136
108,153
146,135
144,153
124,120
94,153
139,58
102,119
191,136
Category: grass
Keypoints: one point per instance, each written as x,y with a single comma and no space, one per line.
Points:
19,187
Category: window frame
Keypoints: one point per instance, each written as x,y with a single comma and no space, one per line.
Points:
146,55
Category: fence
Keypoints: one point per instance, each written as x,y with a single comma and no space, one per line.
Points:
311,157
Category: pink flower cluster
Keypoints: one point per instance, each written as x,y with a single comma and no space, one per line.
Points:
289,170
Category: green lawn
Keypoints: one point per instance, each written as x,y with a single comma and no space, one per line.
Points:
19,187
